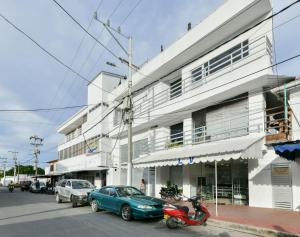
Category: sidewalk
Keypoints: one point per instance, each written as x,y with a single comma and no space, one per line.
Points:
274,219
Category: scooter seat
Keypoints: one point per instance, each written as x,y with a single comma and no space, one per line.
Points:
183,208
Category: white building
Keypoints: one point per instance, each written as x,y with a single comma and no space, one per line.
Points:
85,151
204,103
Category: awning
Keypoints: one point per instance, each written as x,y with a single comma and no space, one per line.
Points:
288,150
95,168
246,147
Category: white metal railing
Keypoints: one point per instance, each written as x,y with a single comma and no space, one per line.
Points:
197,136
250,51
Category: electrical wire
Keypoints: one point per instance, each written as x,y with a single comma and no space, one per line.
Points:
43,109
50,54
218,46
92,36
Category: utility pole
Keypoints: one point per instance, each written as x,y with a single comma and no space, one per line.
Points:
19,172
14,156
130,117
4,169
128,103
36,141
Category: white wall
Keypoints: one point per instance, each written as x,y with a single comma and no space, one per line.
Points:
260,183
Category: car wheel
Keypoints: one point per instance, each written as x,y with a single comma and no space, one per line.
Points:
126,213
94,206
57,198
74,201
172,222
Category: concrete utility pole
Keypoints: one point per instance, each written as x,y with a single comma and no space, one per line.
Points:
128,105
19,172
14,156
130,117
36,141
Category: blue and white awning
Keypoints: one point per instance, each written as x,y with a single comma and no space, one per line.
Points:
246,147
288,150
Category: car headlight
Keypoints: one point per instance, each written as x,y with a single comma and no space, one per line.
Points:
144,207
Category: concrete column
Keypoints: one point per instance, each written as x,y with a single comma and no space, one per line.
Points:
187,130
257,107
296,184
186,181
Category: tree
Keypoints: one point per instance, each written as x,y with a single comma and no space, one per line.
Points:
25,169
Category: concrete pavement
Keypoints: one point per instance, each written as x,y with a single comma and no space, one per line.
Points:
37,215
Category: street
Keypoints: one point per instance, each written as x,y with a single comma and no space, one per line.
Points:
35,215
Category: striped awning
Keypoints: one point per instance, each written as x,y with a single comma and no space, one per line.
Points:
246,147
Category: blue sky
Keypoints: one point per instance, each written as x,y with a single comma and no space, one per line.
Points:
31,79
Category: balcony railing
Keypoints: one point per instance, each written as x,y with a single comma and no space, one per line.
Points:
207,73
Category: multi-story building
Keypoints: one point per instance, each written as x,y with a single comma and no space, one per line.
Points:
205,117
85,151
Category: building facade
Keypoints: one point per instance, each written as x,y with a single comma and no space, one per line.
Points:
206,114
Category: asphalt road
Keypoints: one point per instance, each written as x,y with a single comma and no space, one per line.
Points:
25,214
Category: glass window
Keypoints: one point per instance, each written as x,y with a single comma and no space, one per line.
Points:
128,191
68,184
63,183
124,153
197,74
175,88
176,133
104,191
81,184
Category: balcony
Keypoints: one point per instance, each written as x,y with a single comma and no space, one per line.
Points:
233,59
278,125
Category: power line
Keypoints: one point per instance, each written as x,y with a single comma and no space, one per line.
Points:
43,109
94,45
218,46
122,22
74,57
237,79
49,53
99,42
257,37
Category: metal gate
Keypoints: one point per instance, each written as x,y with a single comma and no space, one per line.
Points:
151,181
282,186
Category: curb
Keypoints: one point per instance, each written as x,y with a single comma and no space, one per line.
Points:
259,231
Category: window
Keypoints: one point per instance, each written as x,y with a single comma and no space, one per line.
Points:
104,191
221,61
176,134
140,147
51,168
63,183
175,88
197,74
68,184
124,153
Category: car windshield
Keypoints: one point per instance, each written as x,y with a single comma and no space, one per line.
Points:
81,184
128,191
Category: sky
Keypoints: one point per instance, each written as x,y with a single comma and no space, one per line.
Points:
31,79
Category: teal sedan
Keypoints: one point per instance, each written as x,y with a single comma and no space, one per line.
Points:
126,201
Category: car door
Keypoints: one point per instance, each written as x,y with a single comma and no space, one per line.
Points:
112,200
61,189
68,190
100,197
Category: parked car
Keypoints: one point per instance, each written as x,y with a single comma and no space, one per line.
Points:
37,187
126,201
75,191
26,186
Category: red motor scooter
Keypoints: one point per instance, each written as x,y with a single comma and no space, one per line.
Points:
178,216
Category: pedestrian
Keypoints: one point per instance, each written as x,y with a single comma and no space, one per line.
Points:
143,186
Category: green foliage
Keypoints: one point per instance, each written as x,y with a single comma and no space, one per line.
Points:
25,169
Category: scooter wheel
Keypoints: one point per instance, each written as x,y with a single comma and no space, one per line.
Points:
172,223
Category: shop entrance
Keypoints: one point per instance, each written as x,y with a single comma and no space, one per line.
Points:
232,180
